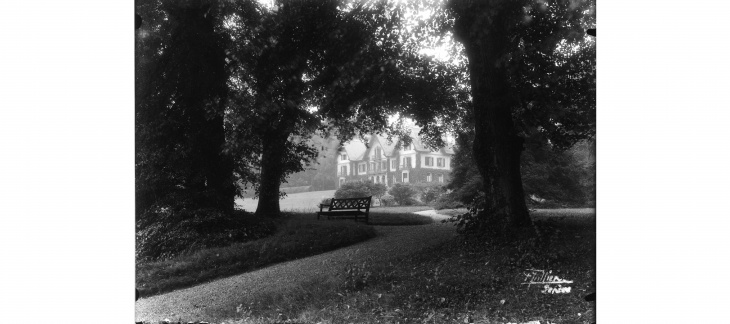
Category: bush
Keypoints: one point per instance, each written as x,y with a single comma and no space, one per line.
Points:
357,189
403,194
430,193
448,200
387,200
325,201
169,233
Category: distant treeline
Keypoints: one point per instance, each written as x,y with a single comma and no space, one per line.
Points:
320,175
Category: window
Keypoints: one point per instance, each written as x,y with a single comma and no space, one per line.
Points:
361,168
429,177
372,166
440,162
405,176
441,178
394,179
406,162
429,161
343,157
393,164
343,170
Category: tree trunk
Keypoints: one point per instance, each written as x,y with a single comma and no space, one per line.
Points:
220,190
272,169
497,147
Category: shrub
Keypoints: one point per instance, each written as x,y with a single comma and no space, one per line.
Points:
403,194
387,200
430,193
357,189
169,233
325,201
448,200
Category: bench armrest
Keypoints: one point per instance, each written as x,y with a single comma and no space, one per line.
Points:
322,206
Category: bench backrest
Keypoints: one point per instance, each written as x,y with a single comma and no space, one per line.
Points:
351,203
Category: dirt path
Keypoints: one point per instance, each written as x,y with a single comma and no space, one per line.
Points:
218,300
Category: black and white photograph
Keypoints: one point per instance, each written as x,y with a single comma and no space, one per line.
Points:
352,161
364,161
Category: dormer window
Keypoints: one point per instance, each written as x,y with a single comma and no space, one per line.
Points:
343,157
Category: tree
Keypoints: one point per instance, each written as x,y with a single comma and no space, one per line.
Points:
181,93
523,76
306,67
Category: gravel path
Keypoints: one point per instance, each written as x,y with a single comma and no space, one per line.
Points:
219,298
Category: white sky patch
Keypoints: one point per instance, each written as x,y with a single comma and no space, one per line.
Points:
312,109
438,53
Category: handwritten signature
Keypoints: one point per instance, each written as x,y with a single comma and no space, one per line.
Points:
541,277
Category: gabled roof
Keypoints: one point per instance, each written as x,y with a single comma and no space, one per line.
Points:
387,148
355,149
418,144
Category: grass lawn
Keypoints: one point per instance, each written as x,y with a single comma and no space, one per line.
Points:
298,236
399,216
300,202
468,280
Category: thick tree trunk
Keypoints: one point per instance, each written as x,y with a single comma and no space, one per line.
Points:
220,190
272,168
497,147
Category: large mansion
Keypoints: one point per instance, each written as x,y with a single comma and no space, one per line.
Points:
390,163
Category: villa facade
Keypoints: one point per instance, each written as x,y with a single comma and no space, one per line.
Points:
379,161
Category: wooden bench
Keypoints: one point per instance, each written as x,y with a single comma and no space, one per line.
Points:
357,208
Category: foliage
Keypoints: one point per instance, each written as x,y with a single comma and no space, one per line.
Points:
387,200
169,233
179,129
325,201
465,182
563,178
315,67
448,200
358,189
430,192
403,193
321,175
558,176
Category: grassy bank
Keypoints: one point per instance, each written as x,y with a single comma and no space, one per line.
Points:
298,235
468,280
399,216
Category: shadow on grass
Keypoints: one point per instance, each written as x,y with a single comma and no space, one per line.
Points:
296,236
398,219
386,216
468,280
